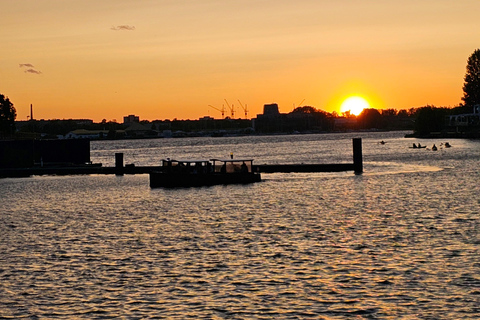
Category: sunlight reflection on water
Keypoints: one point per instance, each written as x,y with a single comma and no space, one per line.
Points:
376,168
400,241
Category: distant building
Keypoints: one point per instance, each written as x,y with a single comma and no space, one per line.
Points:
466,121
270,109
131,119
138,130
42,122
86,134
271,120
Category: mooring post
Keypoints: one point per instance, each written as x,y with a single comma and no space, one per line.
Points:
119,164
357,156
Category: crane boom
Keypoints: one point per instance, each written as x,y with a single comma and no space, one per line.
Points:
298,106
221,110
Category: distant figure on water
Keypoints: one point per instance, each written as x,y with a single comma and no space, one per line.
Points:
382,142
419,146
447,145
434,148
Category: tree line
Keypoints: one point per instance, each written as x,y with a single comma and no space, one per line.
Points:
422,120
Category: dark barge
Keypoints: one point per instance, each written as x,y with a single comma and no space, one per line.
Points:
198,173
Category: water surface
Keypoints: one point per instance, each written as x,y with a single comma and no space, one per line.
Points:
399,241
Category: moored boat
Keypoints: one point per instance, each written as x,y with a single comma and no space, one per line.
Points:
198,173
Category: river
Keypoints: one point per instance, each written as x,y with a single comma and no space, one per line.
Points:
400,241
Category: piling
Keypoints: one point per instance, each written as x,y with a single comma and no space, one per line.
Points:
119,169
357,156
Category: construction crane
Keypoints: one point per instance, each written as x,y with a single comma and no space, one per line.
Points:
244,109
232,109
298,104
221,110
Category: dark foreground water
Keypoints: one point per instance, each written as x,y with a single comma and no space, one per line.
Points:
400,241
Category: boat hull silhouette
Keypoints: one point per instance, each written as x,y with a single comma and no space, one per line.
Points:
198,173
179,180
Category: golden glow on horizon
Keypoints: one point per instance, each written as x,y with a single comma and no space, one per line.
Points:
355,105
170,59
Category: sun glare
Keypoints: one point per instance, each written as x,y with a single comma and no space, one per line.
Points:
355,105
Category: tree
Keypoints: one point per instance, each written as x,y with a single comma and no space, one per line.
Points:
471,87
7,116
305,109
389,112
430,119
402,113
370,118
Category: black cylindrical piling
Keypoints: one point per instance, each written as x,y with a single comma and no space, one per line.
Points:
357,156
119,164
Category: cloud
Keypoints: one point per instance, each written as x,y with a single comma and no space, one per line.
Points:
26,65
30,68
123,27
33,71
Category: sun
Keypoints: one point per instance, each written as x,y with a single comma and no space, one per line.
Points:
355,105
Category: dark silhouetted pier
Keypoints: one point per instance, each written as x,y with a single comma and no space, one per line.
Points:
356,166
121,169
332,167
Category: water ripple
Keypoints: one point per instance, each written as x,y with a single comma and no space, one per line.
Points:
396,244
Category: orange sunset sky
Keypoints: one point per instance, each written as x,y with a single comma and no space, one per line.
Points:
169,59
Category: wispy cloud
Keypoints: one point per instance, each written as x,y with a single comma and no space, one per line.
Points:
123,27
29,68
33,71
26,65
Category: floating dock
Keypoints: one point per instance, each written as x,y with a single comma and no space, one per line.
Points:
121,169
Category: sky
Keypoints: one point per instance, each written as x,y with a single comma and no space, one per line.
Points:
181,59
